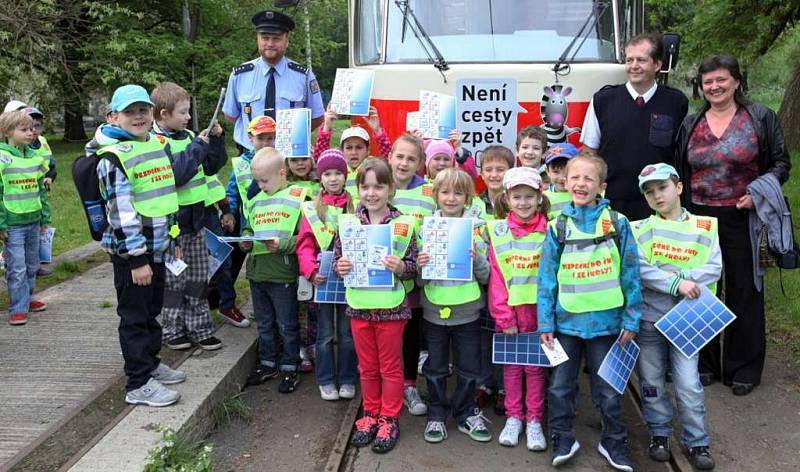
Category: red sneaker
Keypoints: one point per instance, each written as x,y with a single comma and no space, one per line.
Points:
234,316
18,319
36,306
306,366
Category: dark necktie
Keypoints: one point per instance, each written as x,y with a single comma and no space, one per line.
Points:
269,100
640,101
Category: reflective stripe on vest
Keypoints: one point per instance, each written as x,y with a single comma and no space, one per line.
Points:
275,216
518,260
324,232
20,176
195,189
456,292
558,200
676,245
149,171
214,190
350,184
589,270
383,297
241,169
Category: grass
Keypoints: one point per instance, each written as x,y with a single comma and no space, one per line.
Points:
176,453
230,409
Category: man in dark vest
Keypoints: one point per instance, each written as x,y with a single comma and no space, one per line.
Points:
634,124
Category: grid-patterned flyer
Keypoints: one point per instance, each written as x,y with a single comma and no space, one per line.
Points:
366,246
437,114
352,90
293,136
448,242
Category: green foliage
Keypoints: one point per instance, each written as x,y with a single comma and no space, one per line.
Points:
176,454
231,408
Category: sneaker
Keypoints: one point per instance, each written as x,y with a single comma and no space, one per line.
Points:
659,449
179,344
166,375
347,391
365,430
435,432
17,319
386,438
261,374
210,344
414,402
509,436
500,403
328,392
475,427
289,382
306,366
706,378
45,270
616,453
152,394
742,389
535,436
563,449
234,316
700,457
36,306
423,357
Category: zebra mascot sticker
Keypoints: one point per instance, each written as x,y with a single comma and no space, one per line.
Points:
554,114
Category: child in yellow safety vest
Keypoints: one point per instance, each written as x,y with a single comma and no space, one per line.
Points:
24,212
451,311
589,296
378,315
318,228
515,237
556,161
678,253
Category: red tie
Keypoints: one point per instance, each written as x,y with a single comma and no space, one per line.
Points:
640,101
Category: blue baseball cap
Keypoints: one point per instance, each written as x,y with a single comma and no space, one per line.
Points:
565,150
127,95
656,172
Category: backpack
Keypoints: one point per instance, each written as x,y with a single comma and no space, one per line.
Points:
84,175
561,230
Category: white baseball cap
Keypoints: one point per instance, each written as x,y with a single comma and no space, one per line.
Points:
354,132
14,105
522,176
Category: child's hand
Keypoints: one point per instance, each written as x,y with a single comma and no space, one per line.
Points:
327,122
394,264
318,279
43,229
415,132
626,336
373,120
689,289
178,252
142,275
423,259
272,245
203,136
47,182
246,246
511,331
455,138
216,130
228,222
547,340
344,266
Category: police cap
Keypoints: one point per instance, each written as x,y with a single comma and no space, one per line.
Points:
273,22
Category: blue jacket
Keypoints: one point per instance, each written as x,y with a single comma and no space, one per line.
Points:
232,191
553,317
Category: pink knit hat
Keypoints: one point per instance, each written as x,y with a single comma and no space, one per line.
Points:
439,147
331,159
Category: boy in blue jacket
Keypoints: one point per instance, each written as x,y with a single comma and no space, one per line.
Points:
589,295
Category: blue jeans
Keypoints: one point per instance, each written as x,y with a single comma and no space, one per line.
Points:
656,355
563,393
21,254
327,368
276,303
465,340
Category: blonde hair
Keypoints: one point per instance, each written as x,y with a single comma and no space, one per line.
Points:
458,180
595,160
502,208
11,120
414,141
166,96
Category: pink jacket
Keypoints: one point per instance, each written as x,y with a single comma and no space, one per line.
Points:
307,248
523,316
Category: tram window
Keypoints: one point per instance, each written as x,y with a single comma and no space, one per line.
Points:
500,30
369,21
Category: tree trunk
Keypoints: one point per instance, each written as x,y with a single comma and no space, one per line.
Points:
789,113
73,120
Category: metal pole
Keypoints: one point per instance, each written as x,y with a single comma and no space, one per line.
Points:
308,33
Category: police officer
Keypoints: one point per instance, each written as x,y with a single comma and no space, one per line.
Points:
271,82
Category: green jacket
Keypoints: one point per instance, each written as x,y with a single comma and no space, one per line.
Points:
278,267
13,219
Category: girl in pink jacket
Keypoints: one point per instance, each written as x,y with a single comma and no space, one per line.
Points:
516,237
317,231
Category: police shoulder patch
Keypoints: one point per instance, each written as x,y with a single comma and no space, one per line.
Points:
242,68
314,86
297,67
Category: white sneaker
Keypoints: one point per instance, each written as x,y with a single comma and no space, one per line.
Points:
347,391
414,402
535,436
152,394
328,392
510,434
423,357
166,375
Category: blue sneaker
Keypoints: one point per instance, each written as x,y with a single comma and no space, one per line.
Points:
563,449
616,453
